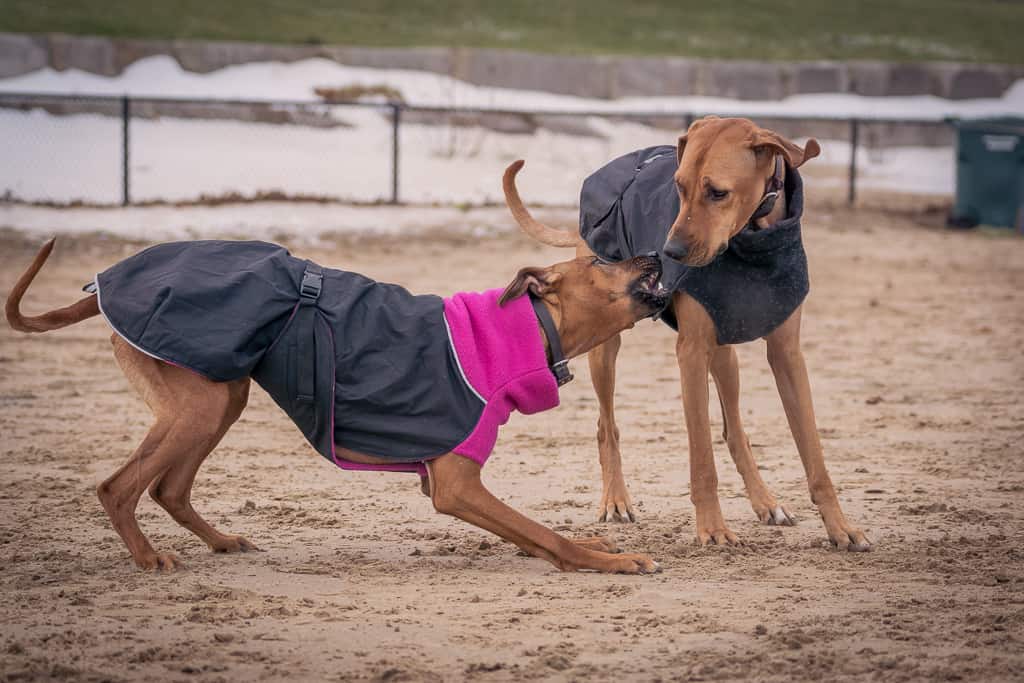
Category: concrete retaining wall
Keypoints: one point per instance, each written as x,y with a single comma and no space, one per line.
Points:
600,76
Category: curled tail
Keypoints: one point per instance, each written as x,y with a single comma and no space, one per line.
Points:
51,320
531,226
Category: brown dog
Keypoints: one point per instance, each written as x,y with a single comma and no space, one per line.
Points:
587,302
725,168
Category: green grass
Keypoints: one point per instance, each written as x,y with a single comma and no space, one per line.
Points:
956,30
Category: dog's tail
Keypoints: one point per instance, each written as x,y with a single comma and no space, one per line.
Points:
51,320
530,225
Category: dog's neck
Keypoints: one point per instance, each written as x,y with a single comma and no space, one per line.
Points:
553,327
778,211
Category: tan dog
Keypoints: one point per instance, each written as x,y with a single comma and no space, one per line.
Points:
588,302
724,169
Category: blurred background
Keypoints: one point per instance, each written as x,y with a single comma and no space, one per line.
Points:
403,102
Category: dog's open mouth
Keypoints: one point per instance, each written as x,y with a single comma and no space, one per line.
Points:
647,289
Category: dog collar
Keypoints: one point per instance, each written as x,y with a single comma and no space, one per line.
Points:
559,364
771,193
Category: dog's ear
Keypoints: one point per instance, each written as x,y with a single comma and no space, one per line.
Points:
681,145
539,281
769,141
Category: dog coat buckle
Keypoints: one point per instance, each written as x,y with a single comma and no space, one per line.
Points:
561,371
312,282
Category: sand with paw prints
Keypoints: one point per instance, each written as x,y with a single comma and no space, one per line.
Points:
915,341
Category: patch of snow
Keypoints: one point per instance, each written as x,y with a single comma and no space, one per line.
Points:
77,157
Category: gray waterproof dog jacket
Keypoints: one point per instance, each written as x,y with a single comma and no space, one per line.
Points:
627,208
352,361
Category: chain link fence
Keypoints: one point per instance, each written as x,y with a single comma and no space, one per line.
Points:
66,149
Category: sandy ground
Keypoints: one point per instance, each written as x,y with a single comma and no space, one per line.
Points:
913,336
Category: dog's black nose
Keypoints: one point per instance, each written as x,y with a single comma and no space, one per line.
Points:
675,250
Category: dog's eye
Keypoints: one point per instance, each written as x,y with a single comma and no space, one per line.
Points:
716,195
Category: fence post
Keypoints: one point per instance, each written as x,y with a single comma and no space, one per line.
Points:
854,134
687,122
396,117
126,115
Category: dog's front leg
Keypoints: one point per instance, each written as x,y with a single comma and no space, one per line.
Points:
787,362
694,347
456,490
616,505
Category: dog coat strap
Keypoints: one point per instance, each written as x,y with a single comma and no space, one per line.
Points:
298,367
309,290
559,363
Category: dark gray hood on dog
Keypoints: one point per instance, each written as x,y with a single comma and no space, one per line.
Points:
363,364
627,208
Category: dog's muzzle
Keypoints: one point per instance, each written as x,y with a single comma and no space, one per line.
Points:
648,288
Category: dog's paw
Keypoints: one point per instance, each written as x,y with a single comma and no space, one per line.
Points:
234,544
842,534
616,505
777,516
850,539
711,527
717,537
617,513
715,532
167,562
633,563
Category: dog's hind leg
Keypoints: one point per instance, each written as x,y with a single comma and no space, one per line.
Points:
187,422
726,372
172,490
120,494
615,502
787,363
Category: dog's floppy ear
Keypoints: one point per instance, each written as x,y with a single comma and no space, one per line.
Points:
768,140
539,281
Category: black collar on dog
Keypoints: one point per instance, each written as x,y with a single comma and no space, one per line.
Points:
771,193
558,363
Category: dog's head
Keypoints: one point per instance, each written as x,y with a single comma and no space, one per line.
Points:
592,300
724,167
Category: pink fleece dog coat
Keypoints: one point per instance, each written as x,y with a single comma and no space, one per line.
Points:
501,354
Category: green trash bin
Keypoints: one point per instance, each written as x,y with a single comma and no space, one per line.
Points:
989,173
